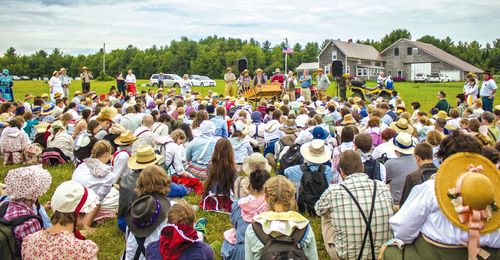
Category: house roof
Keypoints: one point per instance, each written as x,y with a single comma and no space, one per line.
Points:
356,50
441,55
308,66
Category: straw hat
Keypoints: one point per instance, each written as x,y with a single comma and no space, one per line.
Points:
85,68
57,95
47,109
241,102
289,127
125,138
107,114
254,162
404,143
245,71
77,93
271,126
146,213
144,157
232,99
321,110
441,114
468,180
348,119
258,70
228,69
69,194
402,126
27,182
44,95
41,127
316,151
320,70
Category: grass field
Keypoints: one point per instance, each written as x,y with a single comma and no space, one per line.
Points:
110,240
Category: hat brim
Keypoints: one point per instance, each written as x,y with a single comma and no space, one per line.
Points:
248,170
348,122
144,232
47,112
394,127
118,142
289,130
326,156
134,165
448,173
402,150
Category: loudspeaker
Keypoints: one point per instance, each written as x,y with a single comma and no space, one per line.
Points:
242,64
337,68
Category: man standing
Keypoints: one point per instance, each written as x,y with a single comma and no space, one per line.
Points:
160,80
305,84
65,81
86,76
290,83
345,209
278,77
130,81
488,90
323,84
229,79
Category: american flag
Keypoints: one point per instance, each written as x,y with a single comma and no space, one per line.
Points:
287,50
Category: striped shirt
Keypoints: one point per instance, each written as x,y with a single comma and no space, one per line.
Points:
348,223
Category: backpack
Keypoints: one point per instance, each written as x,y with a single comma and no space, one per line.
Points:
291,157
231,111
372,168
312,186
281,247
382,159
376,138
33,154
54,156
9,249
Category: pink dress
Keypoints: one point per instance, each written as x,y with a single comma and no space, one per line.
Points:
62,245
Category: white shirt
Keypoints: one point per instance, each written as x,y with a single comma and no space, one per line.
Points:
100,185
55,82
384,148
130,78
421,213
120,167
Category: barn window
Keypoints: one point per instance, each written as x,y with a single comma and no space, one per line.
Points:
334,55
409,51
396,51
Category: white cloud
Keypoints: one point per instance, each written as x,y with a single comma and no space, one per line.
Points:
82,26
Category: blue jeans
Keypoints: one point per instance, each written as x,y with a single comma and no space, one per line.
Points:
487,103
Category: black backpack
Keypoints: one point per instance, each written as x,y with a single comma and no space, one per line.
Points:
281,247
9,249
312,186
372,168
292,157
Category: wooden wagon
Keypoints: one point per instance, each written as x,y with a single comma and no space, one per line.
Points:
267,91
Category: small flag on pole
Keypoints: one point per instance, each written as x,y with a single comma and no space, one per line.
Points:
287,50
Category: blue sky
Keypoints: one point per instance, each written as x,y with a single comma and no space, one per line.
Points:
79,26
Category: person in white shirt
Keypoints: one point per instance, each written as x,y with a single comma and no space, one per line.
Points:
386,147
78,98
144,134
122,154
186,85
381,79
55,85
72,110
131,81
65,80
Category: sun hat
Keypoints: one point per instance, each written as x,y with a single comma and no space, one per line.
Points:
35,109
402,126
125,138
107,114
57,95
228,69
241,102
116,129
315,151
404,143
44,95
56,125
258,70
232,99
272,126
466,191
28,96
348,119
319,132
277,105
320,69
41,127
68,195
85,68
47,109
441,114
254,162
289,127
245,71
321,110
146,213
207,128
144,157
77,93
28,182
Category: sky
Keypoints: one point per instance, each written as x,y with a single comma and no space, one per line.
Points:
82,26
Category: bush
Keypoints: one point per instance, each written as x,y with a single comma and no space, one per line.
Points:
399,79
104,77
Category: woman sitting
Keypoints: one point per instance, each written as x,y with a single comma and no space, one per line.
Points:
96,175
12,142
240,143
200,150
279,193
61,140
86,140
70,203
242,214
221,176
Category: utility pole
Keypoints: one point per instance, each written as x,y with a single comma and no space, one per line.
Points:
104,59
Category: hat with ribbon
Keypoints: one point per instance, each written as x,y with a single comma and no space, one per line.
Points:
144,157
316,151
146,214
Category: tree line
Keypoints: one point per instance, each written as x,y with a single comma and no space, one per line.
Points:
210,56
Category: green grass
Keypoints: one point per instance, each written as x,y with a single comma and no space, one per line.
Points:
425,93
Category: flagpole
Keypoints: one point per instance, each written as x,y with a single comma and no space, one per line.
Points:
286,57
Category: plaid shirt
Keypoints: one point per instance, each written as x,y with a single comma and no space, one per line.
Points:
30,226
348,223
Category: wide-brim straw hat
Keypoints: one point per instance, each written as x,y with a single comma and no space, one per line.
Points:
258,70
316,151
289,127
254,162
404,143
144,157
42,127
107,113
47,109
402,126
474,179
84,68
441,114
232,99
146,213
348,119
241,102
126,138
228,69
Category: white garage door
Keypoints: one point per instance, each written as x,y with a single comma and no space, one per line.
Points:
417,68
453,75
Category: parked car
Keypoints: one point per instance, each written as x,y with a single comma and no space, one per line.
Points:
422,77
24,78
34,79
202,81
77,78
45,79
170,80
438,77
14,77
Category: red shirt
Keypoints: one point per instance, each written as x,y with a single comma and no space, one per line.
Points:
278,77
30,226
